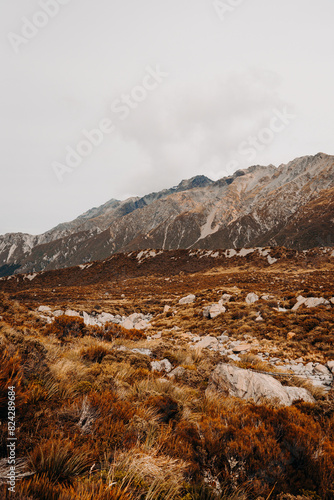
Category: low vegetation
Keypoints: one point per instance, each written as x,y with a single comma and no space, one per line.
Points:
94,422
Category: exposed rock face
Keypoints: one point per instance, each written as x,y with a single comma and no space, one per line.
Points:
245,384
292,206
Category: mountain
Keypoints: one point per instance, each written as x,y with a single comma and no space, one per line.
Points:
291,205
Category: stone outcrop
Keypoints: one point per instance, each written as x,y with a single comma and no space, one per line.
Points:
245,384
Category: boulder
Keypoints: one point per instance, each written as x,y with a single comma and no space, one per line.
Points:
106,318
323,370
309,302
207,341
161,366
166,308
268,297
142,325
245,384
128,324
226,297
299,393
214,310
177,372
140,350
189,299
58,312
89,320
44,309
69,312
251,298
330,366
290,335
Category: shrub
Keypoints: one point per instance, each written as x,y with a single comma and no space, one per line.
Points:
66,326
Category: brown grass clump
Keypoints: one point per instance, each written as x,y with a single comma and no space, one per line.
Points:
10,376
59,460
94,353
64,327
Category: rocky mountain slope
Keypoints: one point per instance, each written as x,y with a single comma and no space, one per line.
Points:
292,205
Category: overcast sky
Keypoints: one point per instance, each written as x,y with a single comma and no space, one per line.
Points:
180,87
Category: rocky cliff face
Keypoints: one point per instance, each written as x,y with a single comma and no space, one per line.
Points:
292,205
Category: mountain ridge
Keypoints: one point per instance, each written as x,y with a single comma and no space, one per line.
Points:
260,205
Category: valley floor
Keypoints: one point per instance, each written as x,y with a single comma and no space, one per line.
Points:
131,404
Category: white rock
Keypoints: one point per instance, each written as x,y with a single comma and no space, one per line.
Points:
323,370
245,384
214,310
69,312
136,317
106,318
330,365
142,325
309,302
177,372
296,393
127,323
226,297
156,335
44,309
207,342
166,308
89,320
189,299
315,302
268,297
251,298
223,338
161,366
58,312
309,367
139,350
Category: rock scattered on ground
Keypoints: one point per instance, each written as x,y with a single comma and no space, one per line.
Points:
161,366
251,298
189,299
246,384
214,310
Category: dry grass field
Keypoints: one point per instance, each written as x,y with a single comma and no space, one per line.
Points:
95,422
